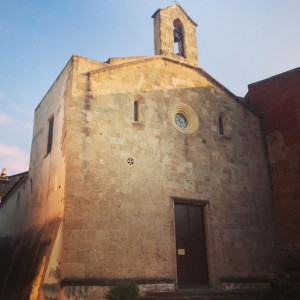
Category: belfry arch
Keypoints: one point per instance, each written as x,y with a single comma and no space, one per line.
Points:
175,34
178,31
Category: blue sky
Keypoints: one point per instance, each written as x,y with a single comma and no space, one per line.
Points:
239,42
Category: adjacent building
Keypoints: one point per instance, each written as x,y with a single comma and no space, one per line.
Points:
278,99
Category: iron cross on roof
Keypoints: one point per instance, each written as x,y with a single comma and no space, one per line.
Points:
176,2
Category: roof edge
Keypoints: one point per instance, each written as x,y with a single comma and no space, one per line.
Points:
237,98
18,174
144,59
179,6
56,79
209,77
274,76
23,178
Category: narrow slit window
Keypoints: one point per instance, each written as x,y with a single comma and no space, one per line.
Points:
50,134
136,111
221,126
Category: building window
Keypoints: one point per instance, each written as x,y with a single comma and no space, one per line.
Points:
276,149
50,134
181,120
184,118
135,111
178,38
221,126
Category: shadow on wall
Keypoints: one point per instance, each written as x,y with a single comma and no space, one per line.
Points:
21,258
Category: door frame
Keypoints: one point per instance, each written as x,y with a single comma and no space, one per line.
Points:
194,202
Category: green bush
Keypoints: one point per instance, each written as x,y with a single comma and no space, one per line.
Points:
124,291
281,289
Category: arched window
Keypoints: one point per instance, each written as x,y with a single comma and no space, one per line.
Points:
178,38
221,126
276,148
136,111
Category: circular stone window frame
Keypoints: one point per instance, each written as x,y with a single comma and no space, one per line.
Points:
189,114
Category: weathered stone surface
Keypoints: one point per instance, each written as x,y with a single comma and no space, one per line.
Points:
22,259
128,209
112,180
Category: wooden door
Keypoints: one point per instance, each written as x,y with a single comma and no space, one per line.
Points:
190,245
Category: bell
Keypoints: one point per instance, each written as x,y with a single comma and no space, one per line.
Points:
176,35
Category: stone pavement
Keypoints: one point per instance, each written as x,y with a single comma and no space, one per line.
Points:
209,294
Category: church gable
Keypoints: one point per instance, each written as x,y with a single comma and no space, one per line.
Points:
145,73
153,73
147,89
163,79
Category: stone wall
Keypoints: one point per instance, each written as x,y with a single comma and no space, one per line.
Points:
278,98
122,175
23,261
31,213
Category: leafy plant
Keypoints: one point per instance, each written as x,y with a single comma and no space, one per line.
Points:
124,291
281,289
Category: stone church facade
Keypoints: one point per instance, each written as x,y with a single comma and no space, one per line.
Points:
144,169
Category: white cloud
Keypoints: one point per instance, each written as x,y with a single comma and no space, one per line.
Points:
14,159
5,119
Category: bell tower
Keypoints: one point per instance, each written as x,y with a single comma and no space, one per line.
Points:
175,34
